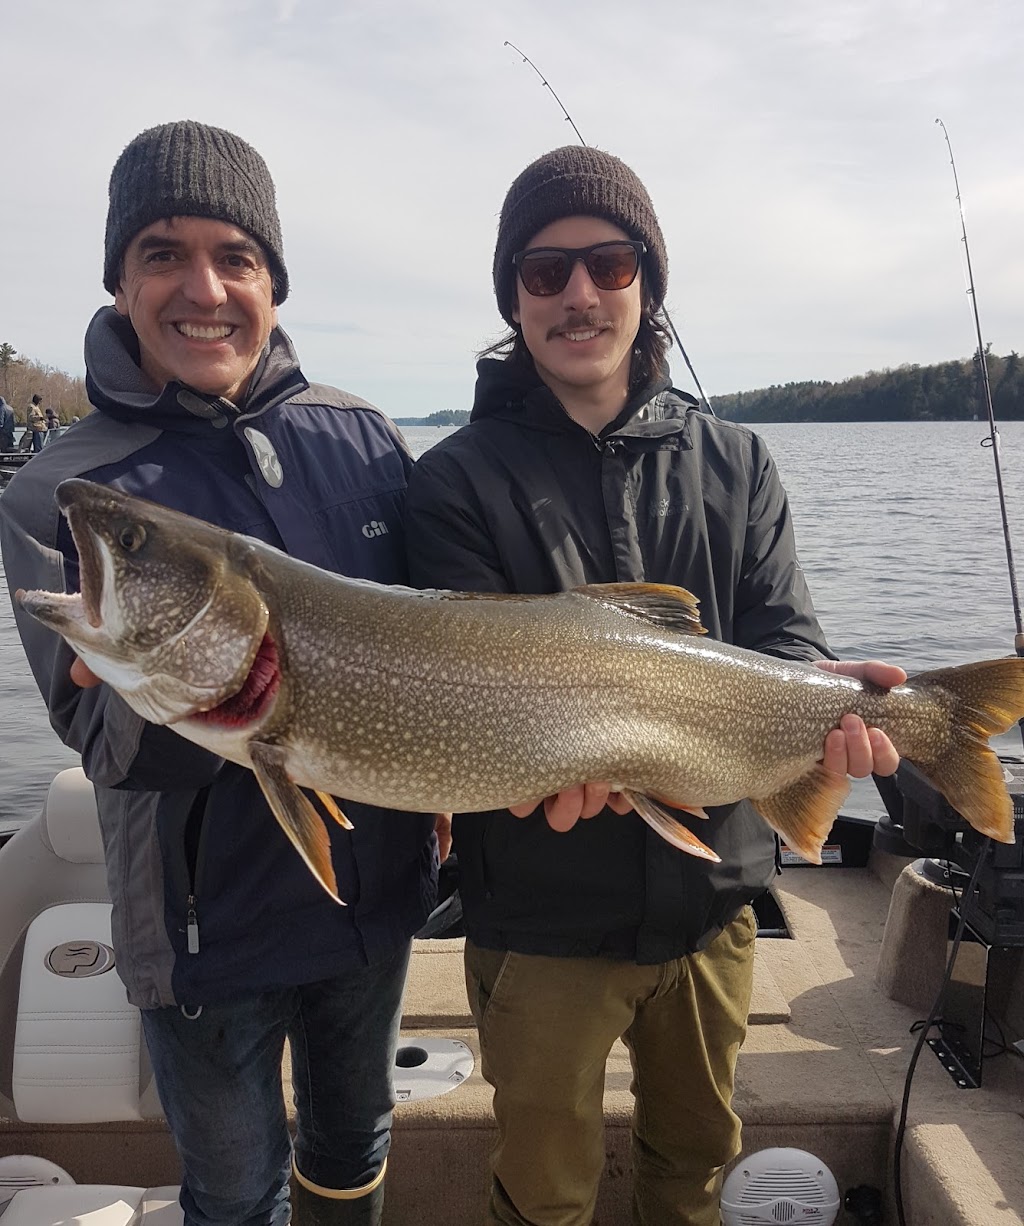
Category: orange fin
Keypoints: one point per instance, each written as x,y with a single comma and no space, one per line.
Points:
672,608
295,815
804,812
988,697
331,805
670,828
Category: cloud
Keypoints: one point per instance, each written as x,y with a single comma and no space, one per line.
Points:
791,152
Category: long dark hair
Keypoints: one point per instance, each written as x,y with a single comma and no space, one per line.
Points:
650,349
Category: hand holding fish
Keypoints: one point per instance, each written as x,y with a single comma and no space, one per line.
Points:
853,748
566,808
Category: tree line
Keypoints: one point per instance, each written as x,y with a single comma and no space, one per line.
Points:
22,377
447,417
947,391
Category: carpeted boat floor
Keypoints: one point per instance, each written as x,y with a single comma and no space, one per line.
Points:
822,1069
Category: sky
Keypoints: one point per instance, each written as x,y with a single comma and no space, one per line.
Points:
790,148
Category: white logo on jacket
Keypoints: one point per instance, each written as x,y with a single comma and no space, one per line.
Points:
376,527
266,457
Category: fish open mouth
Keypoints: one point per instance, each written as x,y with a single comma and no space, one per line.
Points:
257,692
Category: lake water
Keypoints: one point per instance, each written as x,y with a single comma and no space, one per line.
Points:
899,534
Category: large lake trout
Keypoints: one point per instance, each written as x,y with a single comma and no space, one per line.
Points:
439,701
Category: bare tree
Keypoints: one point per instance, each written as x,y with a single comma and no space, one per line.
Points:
21,377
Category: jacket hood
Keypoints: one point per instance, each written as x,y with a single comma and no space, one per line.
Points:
118,387
512,393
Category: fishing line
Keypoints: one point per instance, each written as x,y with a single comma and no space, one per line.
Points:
993,435
569,119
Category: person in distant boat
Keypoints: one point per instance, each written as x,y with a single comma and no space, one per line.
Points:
582,464
52,420
35,424
222,936
7,424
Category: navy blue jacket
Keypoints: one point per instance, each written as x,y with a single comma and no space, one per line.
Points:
311,470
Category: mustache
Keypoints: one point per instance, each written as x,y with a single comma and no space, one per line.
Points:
578,323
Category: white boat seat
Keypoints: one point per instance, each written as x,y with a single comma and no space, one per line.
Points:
93,1205
71,1045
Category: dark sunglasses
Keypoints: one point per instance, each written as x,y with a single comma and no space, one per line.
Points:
545,271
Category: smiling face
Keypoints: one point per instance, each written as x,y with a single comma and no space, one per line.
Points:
200,297
581,340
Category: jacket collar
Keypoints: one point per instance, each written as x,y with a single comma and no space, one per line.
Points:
655,411
118,387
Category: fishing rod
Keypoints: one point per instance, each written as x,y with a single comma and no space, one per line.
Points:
569,119
1018,643
993,436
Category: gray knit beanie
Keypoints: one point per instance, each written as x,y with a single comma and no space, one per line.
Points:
188,169
576,179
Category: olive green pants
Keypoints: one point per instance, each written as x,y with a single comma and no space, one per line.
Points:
546,1028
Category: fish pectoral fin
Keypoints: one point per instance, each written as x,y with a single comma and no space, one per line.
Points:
295,814
331,805
672,608
803,813
669,827
696,810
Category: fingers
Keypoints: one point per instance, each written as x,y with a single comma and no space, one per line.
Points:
564,810
885,757
569,806
853,749
873,671
443,830
82,674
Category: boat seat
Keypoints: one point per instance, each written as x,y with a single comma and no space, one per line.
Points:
71,1044
74,1204
93,1205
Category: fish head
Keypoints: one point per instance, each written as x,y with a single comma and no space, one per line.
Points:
167,613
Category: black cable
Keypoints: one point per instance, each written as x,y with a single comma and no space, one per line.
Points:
924,1029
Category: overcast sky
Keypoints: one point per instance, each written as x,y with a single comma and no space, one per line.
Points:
789,146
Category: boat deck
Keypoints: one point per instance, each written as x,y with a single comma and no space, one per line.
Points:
822,1069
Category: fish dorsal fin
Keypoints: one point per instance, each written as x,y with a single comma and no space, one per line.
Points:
673,608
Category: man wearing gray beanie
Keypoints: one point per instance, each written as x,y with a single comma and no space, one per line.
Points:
222,936
581,464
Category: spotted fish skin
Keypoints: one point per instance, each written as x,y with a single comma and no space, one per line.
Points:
445,701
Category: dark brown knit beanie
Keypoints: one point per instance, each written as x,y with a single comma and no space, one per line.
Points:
188,169
576,179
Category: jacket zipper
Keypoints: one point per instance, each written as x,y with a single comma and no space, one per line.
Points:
192,926
195,828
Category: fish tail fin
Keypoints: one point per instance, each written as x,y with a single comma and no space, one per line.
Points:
804,812
669,827
988,698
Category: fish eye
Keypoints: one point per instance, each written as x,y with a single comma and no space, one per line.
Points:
131,537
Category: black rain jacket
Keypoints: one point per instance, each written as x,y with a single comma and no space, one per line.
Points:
524,499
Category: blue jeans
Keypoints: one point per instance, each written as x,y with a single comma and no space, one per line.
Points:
219,1078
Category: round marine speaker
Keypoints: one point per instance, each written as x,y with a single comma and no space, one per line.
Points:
777,1186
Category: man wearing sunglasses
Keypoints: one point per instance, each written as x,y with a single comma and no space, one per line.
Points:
582,464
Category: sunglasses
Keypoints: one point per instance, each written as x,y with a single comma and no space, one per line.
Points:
545,271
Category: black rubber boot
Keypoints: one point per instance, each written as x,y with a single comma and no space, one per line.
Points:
309,1209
